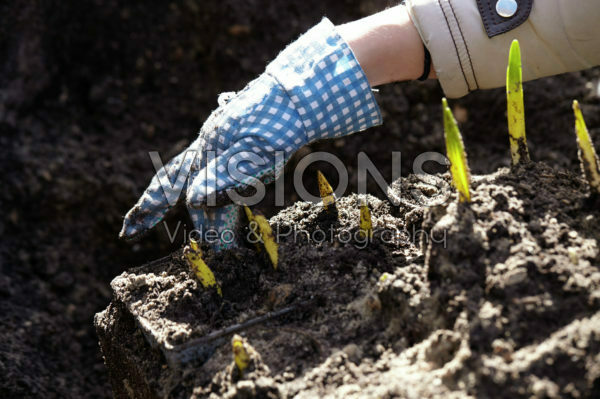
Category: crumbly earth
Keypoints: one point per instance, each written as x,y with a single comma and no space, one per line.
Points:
505,301
328,283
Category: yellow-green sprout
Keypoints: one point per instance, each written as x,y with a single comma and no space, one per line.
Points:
515,109
260,227
253,226
267,238
366,226
325,191
459,168
587,155
240,354
193,256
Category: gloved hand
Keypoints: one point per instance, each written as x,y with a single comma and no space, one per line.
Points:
314,89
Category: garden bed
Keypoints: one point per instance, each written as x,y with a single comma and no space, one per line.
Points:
89,88
500,297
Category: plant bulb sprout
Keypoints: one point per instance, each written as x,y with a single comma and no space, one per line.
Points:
240,354
366,225
253,226
590,164
260,227
459,168
326,192
515,109
193,256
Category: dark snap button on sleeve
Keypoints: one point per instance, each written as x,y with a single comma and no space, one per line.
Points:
501,16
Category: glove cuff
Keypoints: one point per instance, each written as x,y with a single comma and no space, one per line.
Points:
326,84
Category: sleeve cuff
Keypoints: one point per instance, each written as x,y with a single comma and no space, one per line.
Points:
441,33
465,58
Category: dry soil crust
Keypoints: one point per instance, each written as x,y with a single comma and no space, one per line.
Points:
504,303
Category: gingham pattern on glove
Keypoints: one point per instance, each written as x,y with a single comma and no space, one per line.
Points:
314,89
218,227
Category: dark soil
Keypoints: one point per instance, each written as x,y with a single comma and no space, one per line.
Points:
334,277
87,88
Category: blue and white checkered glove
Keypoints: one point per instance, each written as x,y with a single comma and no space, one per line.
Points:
315,89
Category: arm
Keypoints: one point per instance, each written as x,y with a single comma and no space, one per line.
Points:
320,87
387,46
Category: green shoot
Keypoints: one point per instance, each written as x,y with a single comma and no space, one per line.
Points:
515,109
455,148
260,227
325,191
587,155
193,256
267,238
366,226
240,354
253,226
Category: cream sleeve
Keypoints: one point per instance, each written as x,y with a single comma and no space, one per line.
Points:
556,36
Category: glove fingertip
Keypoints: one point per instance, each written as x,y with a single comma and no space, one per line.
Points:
128,230
131,229
138,221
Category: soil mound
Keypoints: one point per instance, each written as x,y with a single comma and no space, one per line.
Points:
497,298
